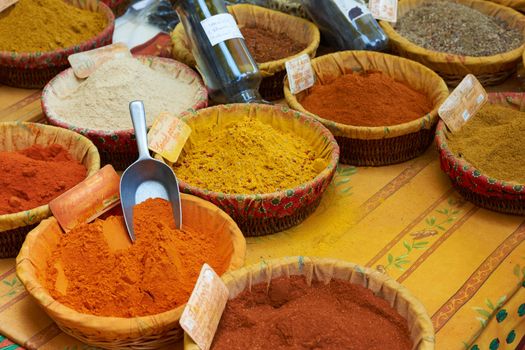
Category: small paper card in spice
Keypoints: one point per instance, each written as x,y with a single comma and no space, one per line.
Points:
88,199
385,10
85,63
4,4
465,101
204,309
167,136
300,73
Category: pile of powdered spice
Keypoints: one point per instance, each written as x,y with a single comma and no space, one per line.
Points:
266,46
154,274
101,101
248,157
446,26
493,141
290,315
36,175
46,25
366,99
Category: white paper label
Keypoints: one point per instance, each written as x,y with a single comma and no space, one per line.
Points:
6,3
385,10
220,28
86,62
352,9
204,309
300,73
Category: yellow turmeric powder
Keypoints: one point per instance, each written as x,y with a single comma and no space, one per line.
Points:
46,25
248,157
96,270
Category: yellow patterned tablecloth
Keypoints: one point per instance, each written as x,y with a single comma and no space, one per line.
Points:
466,264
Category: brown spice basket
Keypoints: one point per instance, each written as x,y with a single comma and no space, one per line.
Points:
16,136
322,269
146,332
382,145
490,70
518,5
273,72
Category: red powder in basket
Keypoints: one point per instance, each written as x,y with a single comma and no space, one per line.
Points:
34,176
292,315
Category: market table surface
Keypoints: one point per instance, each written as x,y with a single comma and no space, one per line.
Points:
466,264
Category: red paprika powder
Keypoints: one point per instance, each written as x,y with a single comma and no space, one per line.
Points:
366,99
292,315
34,176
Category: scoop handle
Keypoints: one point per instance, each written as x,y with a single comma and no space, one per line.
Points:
138,117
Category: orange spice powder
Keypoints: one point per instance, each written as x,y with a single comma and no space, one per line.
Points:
108,276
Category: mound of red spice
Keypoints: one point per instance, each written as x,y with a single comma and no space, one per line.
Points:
367,99
34,176
266,46
294,316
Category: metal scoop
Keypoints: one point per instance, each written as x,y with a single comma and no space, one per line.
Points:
147,177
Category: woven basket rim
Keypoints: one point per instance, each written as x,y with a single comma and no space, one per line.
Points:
425,121
56,120
271,67
423,320
25,272
443,57
446,154
42,56
319,178
44,209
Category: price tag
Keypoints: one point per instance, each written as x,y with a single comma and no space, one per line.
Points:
4,4
300,73
463,103
167,136
204,309
85,63
220,28
385,10
88,199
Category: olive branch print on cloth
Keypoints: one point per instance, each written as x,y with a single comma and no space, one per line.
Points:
14,286
437,223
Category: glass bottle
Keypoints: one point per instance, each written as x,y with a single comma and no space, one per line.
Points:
347,24
229,71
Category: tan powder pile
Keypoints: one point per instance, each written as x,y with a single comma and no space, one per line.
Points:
101,102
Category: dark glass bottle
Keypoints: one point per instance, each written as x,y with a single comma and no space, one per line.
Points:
229,71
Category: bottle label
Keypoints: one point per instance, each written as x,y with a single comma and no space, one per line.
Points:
352,9
463,103
6,3
385,10
220,28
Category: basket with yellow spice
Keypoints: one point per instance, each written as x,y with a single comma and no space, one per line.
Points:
266,166
32,53
146,284
33,163
324,303
458,37
382,109
484,159
271,36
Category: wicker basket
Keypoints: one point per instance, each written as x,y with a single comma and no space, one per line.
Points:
263,214
382,145
16,136
273,72
118,148
117,6
322,269
146,332
490,70
35,69
515,4
471,183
